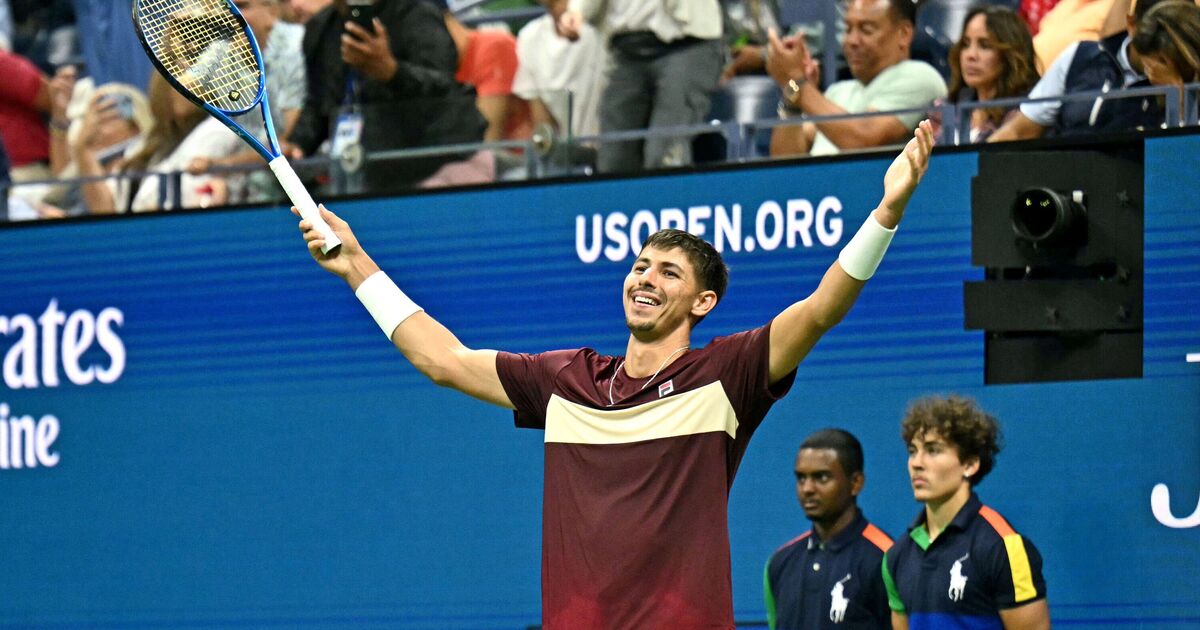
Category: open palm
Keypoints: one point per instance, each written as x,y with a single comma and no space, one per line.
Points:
907,170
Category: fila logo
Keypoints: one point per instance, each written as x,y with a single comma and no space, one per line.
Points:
666,388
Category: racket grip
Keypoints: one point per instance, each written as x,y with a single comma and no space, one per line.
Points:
303,201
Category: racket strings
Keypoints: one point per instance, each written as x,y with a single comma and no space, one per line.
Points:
202,45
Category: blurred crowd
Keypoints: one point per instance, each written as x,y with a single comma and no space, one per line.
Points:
88,128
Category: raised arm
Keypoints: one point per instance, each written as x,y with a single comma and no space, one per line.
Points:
427,344
796,330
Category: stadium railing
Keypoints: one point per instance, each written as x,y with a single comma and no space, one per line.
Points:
547,155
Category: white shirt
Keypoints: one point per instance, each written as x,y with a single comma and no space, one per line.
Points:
209,139
669,20
549,67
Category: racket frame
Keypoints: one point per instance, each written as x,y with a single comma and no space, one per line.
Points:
270,152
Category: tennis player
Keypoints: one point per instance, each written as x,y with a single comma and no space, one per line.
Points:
641,450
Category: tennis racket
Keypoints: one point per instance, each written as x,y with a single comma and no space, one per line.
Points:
206,51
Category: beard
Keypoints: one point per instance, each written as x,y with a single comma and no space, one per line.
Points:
637,327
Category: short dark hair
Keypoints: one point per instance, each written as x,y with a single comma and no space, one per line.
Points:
904,10
849,450
706,261
972,432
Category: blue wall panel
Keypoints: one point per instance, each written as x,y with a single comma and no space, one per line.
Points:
265,458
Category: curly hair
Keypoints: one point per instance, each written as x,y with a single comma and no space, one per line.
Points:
1018,62
972,432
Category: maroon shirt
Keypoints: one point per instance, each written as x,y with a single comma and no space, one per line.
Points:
22,130
635,510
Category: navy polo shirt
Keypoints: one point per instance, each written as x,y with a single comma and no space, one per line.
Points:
974,569
809,583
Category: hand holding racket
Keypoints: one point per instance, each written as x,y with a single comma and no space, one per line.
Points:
205,50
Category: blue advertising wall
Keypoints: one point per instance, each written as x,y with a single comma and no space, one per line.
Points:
210,431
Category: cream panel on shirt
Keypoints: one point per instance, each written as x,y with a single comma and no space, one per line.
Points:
703,410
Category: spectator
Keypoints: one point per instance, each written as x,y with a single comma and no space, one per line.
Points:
876,46
1069,21
487,61
109,46
747,27
666,58
1087,66
399,80
283,55
110,122
300,11
550,66
282,47
24,97
1168,42
993,59
181,133
830,573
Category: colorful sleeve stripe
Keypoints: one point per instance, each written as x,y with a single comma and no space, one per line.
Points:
1018,561
769,596
894,601
793,541
877,537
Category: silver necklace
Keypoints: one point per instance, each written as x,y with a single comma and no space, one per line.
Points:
648,381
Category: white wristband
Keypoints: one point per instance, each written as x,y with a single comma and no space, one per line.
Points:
862,255
385,302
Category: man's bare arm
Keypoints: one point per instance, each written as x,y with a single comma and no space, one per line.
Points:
792,139
1031,616
791,66
495,110
850,133
425,342
797,329
1019,127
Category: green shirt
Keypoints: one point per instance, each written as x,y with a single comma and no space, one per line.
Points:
906,85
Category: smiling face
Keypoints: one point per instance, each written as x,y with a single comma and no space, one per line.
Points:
934,467
662,293
979,58
824,489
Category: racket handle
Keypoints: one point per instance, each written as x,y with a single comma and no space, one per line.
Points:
303,201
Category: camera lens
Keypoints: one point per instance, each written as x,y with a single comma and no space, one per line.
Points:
1044,216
